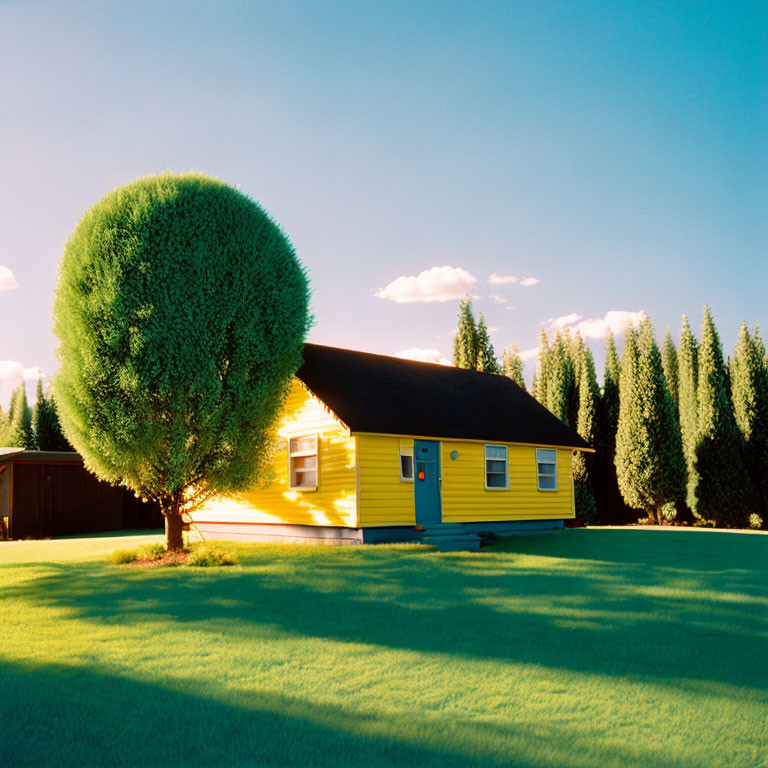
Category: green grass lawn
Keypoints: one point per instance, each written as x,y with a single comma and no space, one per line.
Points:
586,648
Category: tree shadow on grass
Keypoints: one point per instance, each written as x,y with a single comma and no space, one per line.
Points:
651,616
59,715
665,547
723,560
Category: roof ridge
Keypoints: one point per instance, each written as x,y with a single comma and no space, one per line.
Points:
403,360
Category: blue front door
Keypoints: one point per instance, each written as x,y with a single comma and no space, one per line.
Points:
426,489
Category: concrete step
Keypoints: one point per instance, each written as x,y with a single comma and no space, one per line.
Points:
450,537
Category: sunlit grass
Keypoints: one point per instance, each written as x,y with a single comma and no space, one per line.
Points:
586,648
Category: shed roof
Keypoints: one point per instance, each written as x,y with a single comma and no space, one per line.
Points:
389,395
46,457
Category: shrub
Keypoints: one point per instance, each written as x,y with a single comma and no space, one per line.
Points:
152,551
755,521
211,558
669,511
123,556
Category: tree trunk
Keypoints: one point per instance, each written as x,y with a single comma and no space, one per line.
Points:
174,540
659,516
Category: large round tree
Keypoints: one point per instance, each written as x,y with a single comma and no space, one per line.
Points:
181,311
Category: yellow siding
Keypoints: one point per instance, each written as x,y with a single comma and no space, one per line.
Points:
384,498
372,494
465,499
333,503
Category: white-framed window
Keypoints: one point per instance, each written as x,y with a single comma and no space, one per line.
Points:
496,467
302,463
406,463
546,469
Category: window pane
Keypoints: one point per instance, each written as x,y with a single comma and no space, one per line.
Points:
496,466
493,480
546,469
406,467
305,479
546,456
548,482
495,452
303,444
305,462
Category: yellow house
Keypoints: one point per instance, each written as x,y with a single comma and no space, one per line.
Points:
376,448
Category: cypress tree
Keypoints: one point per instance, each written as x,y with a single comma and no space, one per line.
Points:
486,355
576,350
19,432
586,423
513,365
610,504
539,388
688,407
588,391
750,408
610,400
465,340
669,362
560,379
649,455
45,423
757,339
56,435
629,409
761,459
722,483
38,414
472,347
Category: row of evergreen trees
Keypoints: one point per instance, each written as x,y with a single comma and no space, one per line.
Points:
678,432
472,347
34,428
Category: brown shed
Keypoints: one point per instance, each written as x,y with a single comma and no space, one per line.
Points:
51,493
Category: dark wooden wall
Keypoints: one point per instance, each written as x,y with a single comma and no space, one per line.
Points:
61,499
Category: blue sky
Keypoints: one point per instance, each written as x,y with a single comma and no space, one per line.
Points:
617,153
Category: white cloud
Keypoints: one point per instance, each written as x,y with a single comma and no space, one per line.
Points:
7,280
555,324
435,284
497,299
529,354
12,374
527,282
495,279
424,355
509,306
596,327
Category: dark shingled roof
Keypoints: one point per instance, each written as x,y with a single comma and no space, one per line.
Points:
388,395
45,457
